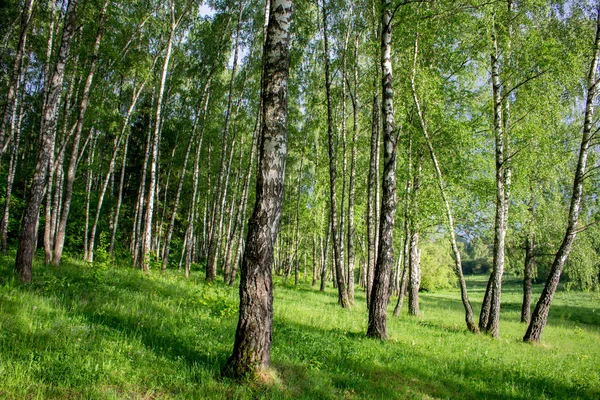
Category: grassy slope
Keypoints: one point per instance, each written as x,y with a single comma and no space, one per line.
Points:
84,333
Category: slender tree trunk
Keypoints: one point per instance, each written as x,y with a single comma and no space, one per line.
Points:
385,255
59,239
241,213
343,234
325,257
90,179
167,247
407,232
220,194
28,235
373,182
355,108
16,121
528,275
251,352
337,236
189,233
441,185
539,318
314,279
147,236
298,193
414,275
136,239
13,89
111,168
115,224
493,319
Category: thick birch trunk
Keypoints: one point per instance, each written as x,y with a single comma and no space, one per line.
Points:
27,238
385,255
251,352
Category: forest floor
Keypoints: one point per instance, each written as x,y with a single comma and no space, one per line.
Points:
90,332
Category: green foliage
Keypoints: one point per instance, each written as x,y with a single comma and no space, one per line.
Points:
436,266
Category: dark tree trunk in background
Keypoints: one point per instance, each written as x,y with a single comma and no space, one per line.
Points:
539,318
252,348
28,235
385,255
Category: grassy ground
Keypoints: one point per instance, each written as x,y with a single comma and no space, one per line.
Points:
85,332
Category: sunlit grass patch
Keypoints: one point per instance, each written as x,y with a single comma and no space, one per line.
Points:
76,332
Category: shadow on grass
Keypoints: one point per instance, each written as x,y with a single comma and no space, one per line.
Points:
561,315
340,374
313,362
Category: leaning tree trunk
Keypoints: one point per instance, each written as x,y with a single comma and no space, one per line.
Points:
336,236
13,89
385,254
442,186
28,235
539,317
59,239
252,348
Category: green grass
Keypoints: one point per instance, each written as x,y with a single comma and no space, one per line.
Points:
85,332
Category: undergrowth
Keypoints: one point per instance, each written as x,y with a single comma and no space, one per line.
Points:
106,332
